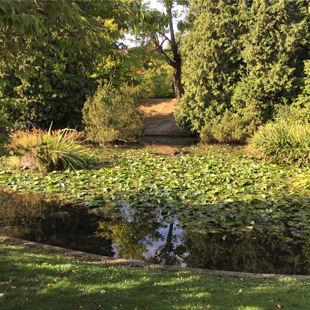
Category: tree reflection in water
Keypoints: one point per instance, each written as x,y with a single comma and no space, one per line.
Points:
32,218
135,232
248,251
141,234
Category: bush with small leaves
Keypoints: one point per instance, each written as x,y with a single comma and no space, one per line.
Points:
113,113
231,128
4,137
156,83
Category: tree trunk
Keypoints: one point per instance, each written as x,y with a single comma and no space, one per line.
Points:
178,88
175,61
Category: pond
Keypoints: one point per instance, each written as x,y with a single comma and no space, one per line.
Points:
156,238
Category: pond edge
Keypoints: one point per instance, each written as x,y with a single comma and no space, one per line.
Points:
131,263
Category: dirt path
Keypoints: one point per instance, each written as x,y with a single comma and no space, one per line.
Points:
161,133
160,119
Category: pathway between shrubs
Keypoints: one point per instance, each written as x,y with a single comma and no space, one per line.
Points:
161,133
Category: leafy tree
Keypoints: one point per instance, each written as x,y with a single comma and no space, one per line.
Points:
159,28
52,51
150,74
47,86
156,82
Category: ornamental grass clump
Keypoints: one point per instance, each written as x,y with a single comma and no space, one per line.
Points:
283,141
48,151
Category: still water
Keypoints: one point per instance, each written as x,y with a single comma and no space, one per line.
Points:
140,235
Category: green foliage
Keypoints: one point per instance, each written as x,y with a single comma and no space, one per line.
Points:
227,129
91,26
244,58
54,88
272,51
159,28
113,114
212,63
49,151
283,141
51,51
302,102
4,137
218,190
156,82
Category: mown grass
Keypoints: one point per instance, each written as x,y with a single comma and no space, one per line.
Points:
32,278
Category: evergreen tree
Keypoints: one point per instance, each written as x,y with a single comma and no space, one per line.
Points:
212,53
244,57
273,50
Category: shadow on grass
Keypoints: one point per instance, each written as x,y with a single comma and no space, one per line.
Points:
35,279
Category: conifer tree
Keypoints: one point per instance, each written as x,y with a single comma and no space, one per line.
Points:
243,57
212,61
273,50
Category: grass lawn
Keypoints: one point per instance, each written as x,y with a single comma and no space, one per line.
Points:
32,278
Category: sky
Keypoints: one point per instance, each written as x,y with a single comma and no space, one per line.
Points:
155,5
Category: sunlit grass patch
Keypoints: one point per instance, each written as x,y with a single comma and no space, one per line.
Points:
32,278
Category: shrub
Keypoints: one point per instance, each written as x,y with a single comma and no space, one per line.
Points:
231,128
4,137
47,86
302,102
283,141
156,83
113,114
58,150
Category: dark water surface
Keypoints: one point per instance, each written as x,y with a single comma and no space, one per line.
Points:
138,234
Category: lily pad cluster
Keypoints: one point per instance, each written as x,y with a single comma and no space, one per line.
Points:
206,192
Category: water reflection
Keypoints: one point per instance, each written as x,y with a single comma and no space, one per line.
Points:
251,252
31,218
138,234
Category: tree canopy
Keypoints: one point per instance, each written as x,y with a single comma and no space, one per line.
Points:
160,29
54,53
241,57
